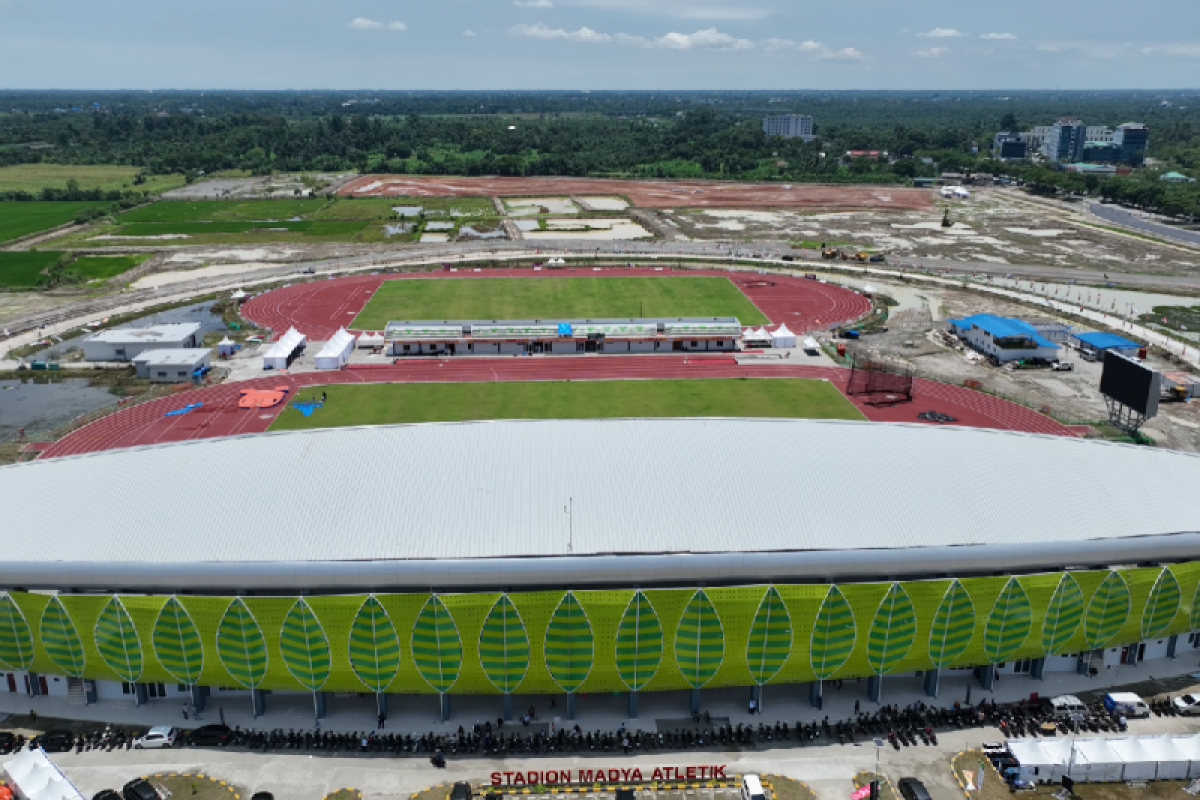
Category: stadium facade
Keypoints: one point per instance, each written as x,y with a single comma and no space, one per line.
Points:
595,556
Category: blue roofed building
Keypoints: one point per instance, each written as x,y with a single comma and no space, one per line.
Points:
1004,338
1095,343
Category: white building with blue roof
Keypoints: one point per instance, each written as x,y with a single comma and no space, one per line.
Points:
1004,338
1095,343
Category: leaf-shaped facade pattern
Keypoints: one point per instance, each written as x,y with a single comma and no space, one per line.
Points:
953,626
1009,623
436,645
374,646
241,645
639,645
117,641
770,641
699,641
1107,611
1063,615
61,639
892,632
504,646
177,644
305,647
833,634
1162,605
16,640
570,645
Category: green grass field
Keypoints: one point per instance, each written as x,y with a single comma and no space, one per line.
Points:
22,219
386,403
172,211
33,178
550,298
105,267
22,269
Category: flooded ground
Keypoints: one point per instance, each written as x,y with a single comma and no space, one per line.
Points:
606,203
535,205
42,402
590,230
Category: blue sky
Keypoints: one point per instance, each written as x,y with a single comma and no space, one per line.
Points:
599,44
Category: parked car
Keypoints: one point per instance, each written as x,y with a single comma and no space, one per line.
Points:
139,789
55,741
1062,366
913,789
107,794
1187,705
209,736
8,741
158,736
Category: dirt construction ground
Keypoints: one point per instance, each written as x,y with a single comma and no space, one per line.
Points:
648,194
916,337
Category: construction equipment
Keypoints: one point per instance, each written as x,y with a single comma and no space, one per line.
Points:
1176,394
830,252
862,256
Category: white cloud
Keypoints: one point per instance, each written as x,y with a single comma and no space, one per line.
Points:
364,24
710,39
469,33
941,33
539,30
933,52
998,37
810,48
1185,49
845,54
683,9
533,3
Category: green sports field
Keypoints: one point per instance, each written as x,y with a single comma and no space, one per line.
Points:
389,403
22,219
556,298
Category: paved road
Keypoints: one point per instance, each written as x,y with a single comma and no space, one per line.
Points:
1131,220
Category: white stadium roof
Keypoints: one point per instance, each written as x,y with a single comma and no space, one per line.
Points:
485,501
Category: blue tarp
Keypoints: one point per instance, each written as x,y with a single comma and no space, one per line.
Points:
564,329
181,411
1003,327
306,408
1106,341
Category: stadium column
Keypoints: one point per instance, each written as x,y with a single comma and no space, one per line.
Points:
443,707
35,685
570,705
1037,669
932,681
756,694
319,705
874,688
986,675
633,705
814,694
694,700
140,695
1171,644
381,706
258,699
508,712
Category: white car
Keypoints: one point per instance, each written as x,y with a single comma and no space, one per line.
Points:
160,736
1187,705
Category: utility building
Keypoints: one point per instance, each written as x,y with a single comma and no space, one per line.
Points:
1003,338
123,344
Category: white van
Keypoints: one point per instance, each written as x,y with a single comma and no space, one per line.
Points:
1126,704
1067,706
752,788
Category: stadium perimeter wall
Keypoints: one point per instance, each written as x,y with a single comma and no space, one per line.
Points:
592,641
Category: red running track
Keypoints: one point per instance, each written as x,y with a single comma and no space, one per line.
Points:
220,416
319,308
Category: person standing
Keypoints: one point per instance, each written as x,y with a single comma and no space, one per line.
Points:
185,710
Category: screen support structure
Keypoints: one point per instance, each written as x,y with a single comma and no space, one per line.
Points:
1123,417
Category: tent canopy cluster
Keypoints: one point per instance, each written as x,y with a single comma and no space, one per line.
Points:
1101,760
782,337
280,353
37,777
336,351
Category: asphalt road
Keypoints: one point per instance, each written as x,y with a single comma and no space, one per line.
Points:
1128,219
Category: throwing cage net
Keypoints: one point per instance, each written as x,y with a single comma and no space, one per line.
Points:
881,383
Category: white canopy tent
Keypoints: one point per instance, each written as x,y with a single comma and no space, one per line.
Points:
756,335
1139,758
1041,760
238,294
1095,761
35,777
336,351
1101,760
226,347
782,337
277,357
370,339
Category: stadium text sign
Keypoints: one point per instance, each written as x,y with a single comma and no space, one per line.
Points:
623,774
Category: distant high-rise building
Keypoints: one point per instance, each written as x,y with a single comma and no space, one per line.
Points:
789,126
1065,140
1133,138
1007,145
